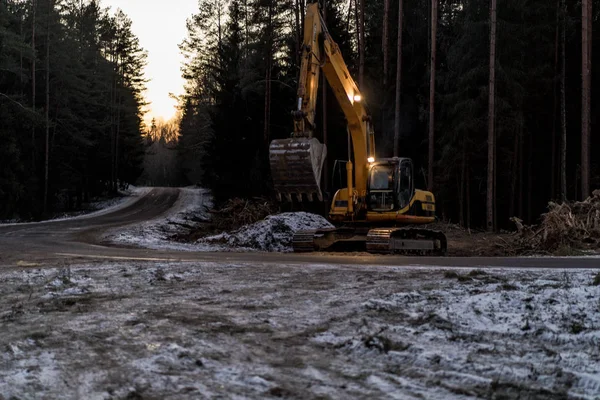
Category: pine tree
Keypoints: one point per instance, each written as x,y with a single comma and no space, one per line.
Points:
586,66
398,79
430,158
491,187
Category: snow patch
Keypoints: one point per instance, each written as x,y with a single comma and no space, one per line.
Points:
189,210
273,234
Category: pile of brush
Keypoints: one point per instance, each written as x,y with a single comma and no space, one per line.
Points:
565,227
238,212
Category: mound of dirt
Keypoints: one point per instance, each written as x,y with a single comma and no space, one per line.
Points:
273,234
566,226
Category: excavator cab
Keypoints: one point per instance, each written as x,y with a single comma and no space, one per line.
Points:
390,184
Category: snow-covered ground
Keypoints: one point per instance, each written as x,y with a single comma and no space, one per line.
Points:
274,233
241,331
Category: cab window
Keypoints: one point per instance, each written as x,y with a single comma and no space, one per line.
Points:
381,188
381,178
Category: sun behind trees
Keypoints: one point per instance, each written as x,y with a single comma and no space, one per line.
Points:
70,104
162,165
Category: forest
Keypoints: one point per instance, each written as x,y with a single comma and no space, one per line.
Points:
490,100
71,105
493,101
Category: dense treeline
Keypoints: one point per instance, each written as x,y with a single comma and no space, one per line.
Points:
242,73
70,104
161,161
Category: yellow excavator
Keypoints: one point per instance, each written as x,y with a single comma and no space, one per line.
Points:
380,208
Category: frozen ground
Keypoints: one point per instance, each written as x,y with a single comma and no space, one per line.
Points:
204,330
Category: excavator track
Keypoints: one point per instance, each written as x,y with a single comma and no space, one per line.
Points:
408,241
413,241
304,241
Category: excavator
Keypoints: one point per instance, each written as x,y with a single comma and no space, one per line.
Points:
380,210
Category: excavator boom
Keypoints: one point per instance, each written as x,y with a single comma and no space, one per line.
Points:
297,162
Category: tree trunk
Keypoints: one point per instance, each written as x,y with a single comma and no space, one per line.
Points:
324,92
21,29
113,118
585,97
515,171
267,102
302,12
563,108
361,47
461,196
434,16
349,15
555,102
491,119
468,195
529,178
590,31
268,78
298,33
117,134
495,218
521,174
386,39
33,86
247,28
398,81
47,144
219,30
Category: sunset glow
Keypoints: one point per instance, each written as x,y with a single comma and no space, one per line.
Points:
160,28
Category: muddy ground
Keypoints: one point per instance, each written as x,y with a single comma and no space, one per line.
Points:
115,330
476,243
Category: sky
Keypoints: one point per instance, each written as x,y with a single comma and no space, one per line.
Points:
160,30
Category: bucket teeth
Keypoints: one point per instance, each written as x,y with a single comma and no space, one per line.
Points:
296,167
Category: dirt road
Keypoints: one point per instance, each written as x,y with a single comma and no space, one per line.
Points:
77,240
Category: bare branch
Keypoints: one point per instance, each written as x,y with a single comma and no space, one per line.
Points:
16,102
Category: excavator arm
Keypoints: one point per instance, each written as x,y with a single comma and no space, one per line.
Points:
297,162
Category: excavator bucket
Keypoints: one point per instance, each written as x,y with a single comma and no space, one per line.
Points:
296,167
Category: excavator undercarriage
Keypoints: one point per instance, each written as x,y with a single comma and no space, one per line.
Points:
399,240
